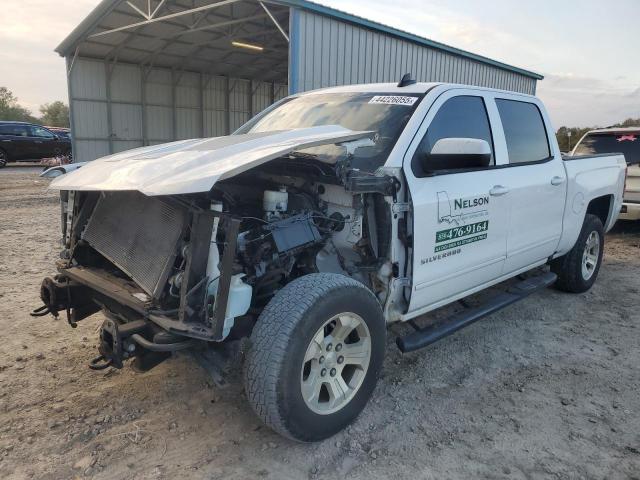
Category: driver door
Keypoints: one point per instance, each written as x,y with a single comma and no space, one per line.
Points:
459,215
43,142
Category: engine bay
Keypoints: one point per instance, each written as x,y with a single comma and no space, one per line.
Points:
204,265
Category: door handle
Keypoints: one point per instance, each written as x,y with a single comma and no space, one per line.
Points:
498,190
557,180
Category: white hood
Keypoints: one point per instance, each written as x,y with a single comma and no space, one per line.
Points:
193,166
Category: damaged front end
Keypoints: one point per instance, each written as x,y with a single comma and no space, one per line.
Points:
184,270
143,262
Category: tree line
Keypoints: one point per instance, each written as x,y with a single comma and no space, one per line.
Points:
55,114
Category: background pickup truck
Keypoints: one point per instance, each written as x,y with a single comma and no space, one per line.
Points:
627,142
328,216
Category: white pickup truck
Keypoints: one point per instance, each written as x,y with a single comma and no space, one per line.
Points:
325,218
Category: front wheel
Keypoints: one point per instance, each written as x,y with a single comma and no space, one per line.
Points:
315,356
578,269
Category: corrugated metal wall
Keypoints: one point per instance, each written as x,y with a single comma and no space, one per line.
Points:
326,52
119,107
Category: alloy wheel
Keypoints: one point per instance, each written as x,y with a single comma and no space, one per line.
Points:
590,255
335,363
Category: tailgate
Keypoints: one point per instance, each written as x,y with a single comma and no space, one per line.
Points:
632,191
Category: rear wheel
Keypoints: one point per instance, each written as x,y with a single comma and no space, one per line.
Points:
315,356
4,159
578,269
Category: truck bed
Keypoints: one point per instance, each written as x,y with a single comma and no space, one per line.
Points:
590,177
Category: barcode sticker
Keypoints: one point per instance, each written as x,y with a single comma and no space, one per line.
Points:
394,100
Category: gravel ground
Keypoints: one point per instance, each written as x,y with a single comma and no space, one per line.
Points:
547,388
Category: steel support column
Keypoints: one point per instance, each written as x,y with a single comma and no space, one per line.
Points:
174,108
107,73
227,106
143,101
69,65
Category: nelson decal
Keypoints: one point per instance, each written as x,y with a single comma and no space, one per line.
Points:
462,204
461,210
467,218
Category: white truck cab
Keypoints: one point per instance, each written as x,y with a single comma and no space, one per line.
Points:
325,218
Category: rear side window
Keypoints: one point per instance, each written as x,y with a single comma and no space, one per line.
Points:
15,130
627,143
524,131
459,117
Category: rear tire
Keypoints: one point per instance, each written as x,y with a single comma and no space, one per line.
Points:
577,270
315,356
4,158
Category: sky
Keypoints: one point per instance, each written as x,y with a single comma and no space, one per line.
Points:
588,50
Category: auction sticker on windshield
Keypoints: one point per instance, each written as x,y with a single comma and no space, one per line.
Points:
394,100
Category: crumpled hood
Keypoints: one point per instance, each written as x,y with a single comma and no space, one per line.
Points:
193,166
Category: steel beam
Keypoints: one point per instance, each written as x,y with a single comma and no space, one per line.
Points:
73,60
157,9
274,20
135,8
165,17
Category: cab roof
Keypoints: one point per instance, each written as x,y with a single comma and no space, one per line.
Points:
394,89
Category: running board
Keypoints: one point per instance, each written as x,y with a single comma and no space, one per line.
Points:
423,337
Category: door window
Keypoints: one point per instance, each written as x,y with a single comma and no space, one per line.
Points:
524,131
459,117
41,132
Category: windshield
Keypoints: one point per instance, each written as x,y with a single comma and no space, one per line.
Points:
620,142
386,115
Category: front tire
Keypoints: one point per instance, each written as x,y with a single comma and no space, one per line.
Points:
577,270
315,356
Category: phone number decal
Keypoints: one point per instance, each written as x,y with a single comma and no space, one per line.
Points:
459,232
459,243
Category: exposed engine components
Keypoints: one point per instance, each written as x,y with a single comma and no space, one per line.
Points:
275,202
238,303
293,232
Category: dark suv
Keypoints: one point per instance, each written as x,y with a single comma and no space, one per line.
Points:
25,141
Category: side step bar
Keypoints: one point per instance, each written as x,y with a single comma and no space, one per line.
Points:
423,337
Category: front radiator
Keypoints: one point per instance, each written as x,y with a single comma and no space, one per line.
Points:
138,234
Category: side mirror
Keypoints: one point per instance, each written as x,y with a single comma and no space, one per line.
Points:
457,154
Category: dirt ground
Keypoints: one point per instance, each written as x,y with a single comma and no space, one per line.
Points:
548,388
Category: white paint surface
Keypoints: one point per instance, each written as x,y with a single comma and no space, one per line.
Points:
192,166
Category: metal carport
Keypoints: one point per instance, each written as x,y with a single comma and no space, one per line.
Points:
142,72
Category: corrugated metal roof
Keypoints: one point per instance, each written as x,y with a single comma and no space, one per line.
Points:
105,15
348,17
